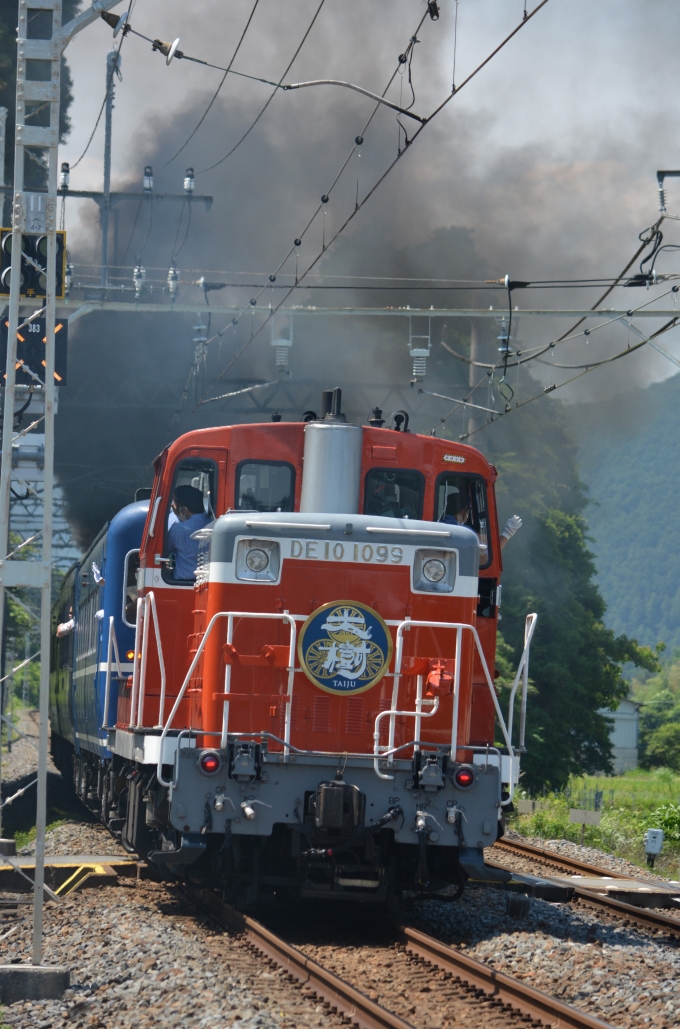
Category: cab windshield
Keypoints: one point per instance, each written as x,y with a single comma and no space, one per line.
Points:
394,493
265,486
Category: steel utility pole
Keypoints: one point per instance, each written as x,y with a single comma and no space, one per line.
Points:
3,129
112,69
41,42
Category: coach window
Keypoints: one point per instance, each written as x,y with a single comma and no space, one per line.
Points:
196,478
130,592
461,500
394,493
265,486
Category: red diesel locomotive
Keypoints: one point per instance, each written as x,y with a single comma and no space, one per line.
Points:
311,708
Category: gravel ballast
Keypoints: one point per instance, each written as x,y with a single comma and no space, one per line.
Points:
141,955
624,976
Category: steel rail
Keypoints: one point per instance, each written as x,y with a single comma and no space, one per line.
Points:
572,864
647,918
335,991
499,988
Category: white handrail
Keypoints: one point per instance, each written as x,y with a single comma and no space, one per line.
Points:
409,714
230,615
112,645
136,719
523,667
135,660
399,649
154,614
284,616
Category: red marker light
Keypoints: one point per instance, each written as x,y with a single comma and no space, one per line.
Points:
210,762
464,777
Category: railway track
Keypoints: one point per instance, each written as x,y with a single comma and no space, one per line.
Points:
459,989
647,918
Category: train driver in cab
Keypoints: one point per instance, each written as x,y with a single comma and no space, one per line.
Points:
458,511
189,510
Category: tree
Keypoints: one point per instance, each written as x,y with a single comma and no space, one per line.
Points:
576,661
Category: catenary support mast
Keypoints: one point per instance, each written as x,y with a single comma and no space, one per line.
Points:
39,53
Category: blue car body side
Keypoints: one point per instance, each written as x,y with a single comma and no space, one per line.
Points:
79,660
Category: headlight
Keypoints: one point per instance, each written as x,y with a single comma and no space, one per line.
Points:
258,560
434,571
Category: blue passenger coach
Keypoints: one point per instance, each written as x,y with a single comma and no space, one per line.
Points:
103,585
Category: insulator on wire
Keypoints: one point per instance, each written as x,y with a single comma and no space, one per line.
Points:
419,367
189,181
139,278
281,343
68,279
419,345
199,332
148,180
173,281
65,175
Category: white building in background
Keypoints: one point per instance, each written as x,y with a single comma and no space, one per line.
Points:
624,735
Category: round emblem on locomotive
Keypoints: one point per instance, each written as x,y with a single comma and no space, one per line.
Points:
345,647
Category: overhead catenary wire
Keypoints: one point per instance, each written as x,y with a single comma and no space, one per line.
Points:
217,91
586,371
271,97
132,232
524,356
376,185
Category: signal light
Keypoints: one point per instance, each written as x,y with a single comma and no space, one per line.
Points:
130,655
464,777
210,762
33,274
31,343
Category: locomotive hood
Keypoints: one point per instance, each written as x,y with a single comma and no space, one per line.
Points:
314,537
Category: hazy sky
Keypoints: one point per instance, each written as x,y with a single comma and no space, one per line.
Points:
549,155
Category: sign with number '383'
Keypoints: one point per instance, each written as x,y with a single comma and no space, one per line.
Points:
345,647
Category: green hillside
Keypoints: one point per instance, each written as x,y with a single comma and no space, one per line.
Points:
629,458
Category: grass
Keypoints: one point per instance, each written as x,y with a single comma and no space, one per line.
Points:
630,804
24,839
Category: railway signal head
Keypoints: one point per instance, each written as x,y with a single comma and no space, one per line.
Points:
33,272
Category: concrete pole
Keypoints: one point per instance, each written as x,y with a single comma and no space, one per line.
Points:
112,65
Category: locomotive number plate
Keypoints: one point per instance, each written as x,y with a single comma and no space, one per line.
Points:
344,647
327,550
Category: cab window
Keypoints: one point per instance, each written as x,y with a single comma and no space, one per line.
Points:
192,505
461,500
131,592
265,486
394,493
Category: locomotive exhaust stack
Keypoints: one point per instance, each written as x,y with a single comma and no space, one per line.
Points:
308,704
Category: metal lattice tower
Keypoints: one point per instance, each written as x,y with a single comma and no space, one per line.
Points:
41,42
